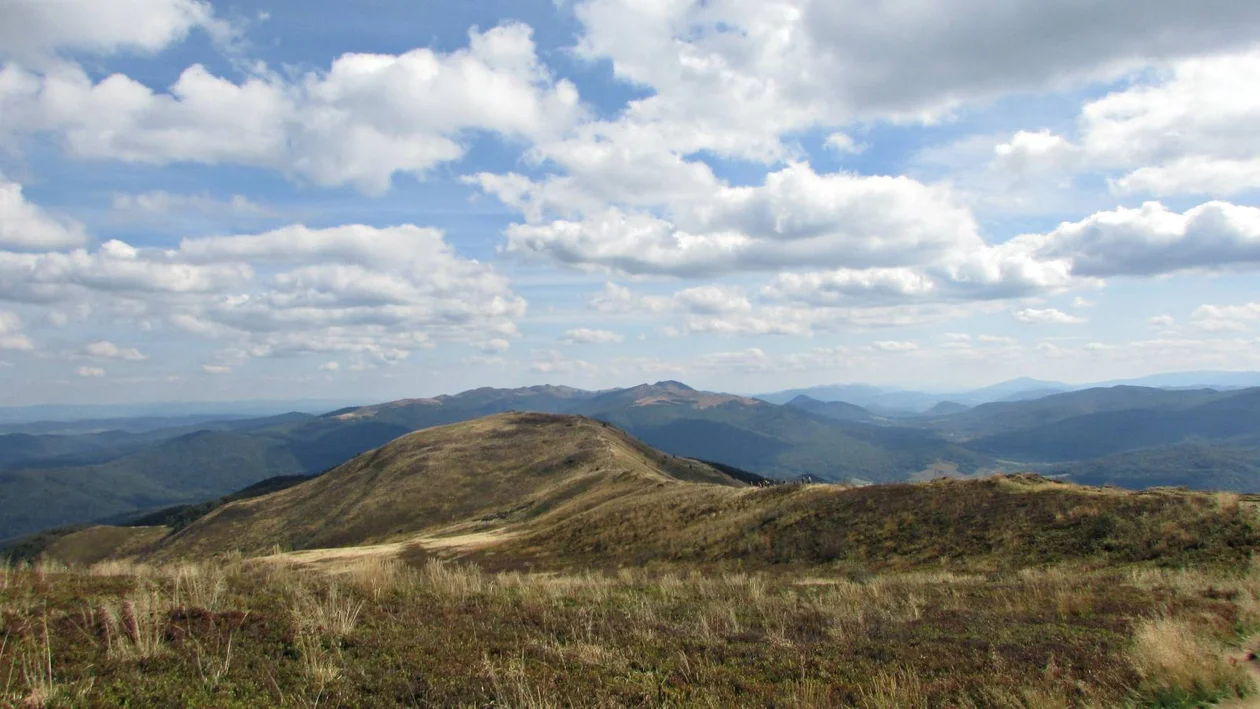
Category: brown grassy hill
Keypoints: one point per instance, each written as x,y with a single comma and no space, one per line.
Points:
998,523
94,544
505,470
544,490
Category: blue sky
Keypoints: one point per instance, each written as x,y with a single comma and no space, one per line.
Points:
204,201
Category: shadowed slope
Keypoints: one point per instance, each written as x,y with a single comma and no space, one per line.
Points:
500,469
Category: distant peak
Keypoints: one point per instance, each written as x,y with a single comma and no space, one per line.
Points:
803,399
671,384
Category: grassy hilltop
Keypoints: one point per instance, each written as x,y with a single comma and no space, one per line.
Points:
553,560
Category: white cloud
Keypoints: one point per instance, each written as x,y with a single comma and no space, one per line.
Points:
114,267
1047,316
26,226
1162,321
108,350
376,292
330,366
365,119
1190,129
797,217
585,336
1194,131
1035,152
761,68
843,143
35,29
1225,318
216,369
1154,240
89,372
11,337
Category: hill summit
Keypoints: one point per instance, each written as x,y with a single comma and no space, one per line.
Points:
505,468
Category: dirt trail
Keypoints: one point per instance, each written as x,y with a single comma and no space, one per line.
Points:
336,559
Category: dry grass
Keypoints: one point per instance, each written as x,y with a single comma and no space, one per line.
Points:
377,577
1176,660
134,628
328,612
199,585
894,689
450,634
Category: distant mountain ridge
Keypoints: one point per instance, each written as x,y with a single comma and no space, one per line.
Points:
903,402
49,481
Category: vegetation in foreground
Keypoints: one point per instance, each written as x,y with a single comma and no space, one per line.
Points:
377,632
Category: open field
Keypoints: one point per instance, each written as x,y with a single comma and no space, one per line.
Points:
248,633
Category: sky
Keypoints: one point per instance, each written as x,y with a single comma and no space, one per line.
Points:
290,199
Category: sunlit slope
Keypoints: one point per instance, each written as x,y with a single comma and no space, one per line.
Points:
504,469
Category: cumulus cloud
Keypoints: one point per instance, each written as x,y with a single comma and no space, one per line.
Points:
25,226
105,349
796,217
1162,321
1040,151
35,29
1047,316
586,336
366,118
1153,240
90,372
733,64
1190,129
330,367
376,292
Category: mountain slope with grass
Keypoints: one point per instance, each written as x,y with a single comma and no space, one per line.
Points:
550,490
506,468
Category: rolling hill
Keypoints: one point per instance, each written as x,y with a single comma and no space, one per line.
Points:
506,468
549,490
1165,418
48,481
622,563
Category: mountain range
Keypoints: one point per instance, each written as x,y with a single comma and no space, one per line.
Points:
1209,438
551,490
894,401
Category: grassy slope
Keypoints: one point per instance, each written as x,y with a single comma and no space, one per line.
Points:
507,467
1005,522
242,634
571,491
